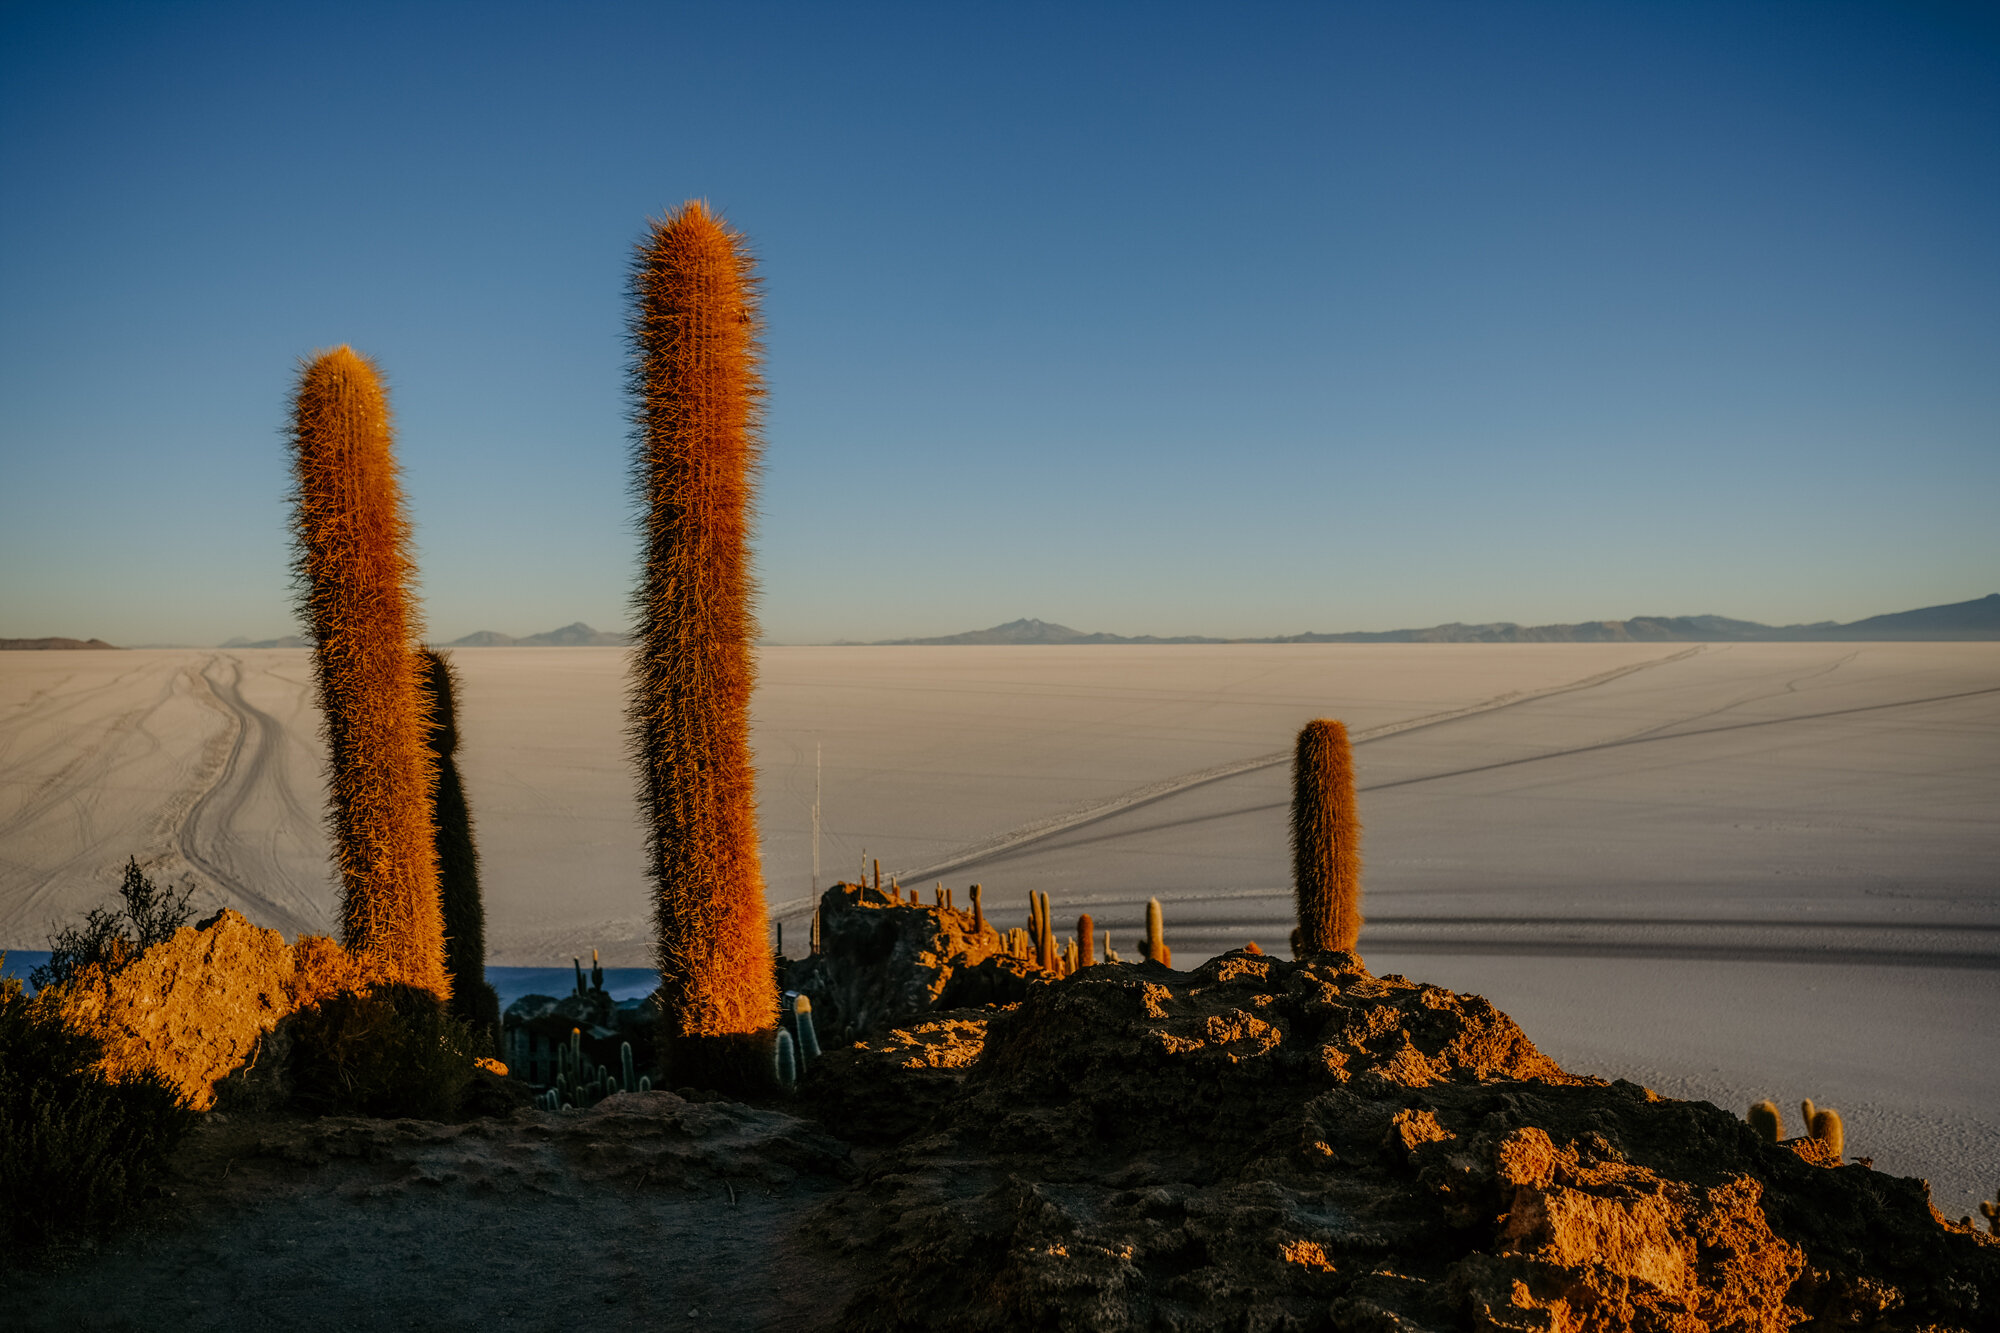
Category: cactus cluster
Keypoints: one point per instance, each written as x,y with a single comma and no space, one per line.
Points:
797,1045
579,1083
1822,1123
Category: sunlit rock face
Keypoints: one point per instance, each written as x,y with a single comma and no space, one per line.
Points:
1276,1145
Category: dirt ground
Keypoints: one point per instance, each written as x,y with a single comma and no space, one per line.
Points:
644,1212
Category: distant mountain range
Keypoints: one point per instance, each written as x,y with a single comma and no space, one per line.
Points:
578,635
1976,619
51,645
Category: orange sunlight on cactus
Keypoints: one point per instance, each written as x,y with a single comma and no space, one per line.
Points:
354,571
697,391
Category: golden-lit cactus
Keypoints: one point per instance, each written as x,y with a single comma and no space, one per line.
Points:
1086,940
457,855
696,410
1154,946
355,573
1827,1128
1326,840
1765,1120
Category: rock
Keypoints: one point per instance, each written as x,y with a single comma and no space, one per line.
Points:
1263,1144
196,1008
884,962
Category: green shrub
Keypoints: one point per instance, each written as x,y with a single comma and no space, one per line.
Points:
392,1050
77,1152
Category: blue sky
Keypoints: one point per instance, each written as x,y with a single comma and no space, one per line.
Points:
1223,319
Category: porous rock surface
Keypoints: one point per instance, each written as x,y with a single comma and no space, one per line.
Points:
884,961
196,1007
1263,1144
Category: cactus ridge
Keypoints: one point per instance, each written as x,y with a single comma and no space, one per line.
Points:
697,396
354,571
1326,840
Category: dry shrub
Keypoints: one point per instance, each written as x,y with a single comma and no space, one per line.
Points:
77,1151
390,1050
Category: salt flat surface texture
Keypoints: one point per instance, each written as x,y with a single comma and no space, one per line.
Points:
1727,871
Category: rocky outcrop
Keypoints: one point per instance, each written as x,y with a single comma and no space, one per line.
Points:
884,961
1262,1144
204,1008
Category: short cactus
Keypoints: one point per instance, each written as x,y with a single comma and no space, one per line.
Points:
1154,947
785,1061
978,913
1086,940
1826,1127
802,1010
1991,1211
1764,1118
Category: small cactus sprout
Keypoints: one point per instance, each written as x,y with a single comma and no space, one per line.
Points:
1826,1127
1991,1211
878,874
1086,940
802,1010
1155,945
1806,1115
1763,1118
645,1082
631,1083
978,913
1072,960
786,1062
947,902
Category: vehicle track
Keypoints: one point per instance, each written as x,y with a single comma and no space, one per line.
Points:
208,837
1266,807
1022,836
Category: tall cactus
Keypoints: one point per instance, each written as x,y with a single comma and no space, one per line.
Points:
1326,840
458,855
696,406
354,571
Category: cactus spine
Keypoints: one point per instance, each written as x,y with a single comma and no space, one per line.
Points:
1326,840
457,855
1154,946
1764,1118
354,569
697,395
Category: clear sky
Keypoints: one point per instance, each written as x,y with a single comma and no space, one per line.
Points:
1234,319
